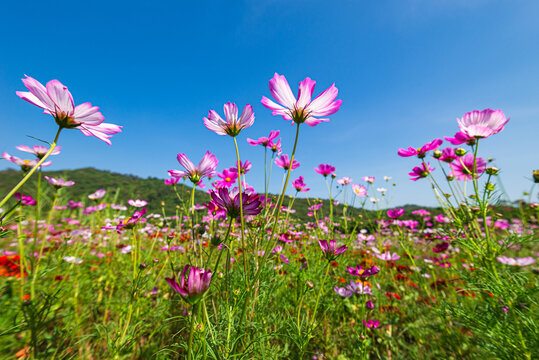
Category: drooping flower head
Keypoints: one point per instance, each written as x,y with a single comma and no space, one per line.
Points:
420,152
57,101
359,190
330,250
205,168
284,162
264,141
463,168
344,181
421,171
482,124
325,169
230,202
25,165
194,282
38,150
232,125
299,185
59,183
302,110
461,138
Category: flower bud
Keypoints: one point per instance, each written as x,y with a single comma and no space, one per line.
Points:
162,203
369,305
491,170
460,152
450,178
437,154
142,266
535,174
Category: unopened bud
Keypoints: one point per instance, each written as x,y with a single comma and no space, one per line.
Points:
450,178
162,203
142,266
460,152
491,170
437,154
236,292
489,186
535,174
476,209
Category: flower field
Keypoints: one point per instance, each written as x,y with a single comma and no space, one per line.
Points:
227,271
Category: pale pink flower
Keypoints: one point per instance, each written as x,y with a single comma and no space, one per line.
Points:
232,125
359,190
302,109
137,203
38,150
518,261
99,194
344,181
481,124
205,168
24,164
388,256
59,183
57,101
369,179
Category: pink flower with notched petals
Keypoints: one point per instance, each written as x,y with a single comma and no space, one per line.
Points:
482,124
57,101
421,171
302,110
463,168
245,166
59,183
232,125
38,150
264,141
420,152
330,250
359,190
275,147
284,162
228,178
24,164
344,181
448,155
460,138
324,169
299,185
205,168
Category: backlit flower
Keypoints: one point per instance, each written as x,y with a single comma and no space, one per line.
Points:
325,169
284,162
460,138
59,183
420,152
97,195
38,150
24,164
344,181
302,110
421,171
359,190
265,141
205,168
57,101
232,125
230,202
299,185
481,124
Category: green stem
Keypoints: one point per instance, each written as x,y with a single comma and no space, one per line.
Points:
38,165
319,294
191,331
242,220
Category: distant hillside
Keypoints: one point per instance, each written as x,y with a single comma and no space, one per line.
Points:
121,187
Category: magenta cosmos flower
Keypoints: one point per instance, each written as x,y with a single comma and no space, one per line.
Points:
57,101
481,124
330,250
420,152
230,202
324,169
205,168
194,282
25,199
460,138
23,163
448,155
228,178
232,125
421,171
463,168
299,185
353,288
284,162
264,141
395,213
302,110
59,183
361,272
245,166
38,150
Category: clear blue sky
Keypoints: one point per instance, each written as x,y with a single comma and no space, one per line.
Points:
405,71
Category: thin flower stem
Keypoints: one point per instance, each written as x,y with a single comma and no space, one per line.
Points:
242,220
191,331
319,294
38,165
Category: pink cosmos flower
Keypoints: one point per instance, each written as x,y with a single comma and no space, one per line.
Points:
330,250
205,168
232,125
172,181
481,124
344,181
395,213
448,155
361,272
264,141
299,185
59,183
74,204
324,169
24,164
302,110
284,162
359,190
275,146
244,167
463,168
192,285
372,324
137,203
518,261
388,256
460,138
421,171
38,150
57,101
353,288
228,178
420,152
25,199
99,194
230,202
369,179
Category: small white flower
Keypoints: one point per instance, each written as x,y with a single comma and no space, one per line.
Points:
374,200
72,260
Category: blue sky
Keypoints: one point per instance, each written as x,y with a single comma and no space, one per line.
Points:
405,71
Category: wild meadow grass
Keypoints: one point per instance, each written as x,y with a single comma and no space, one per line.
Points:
242,277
